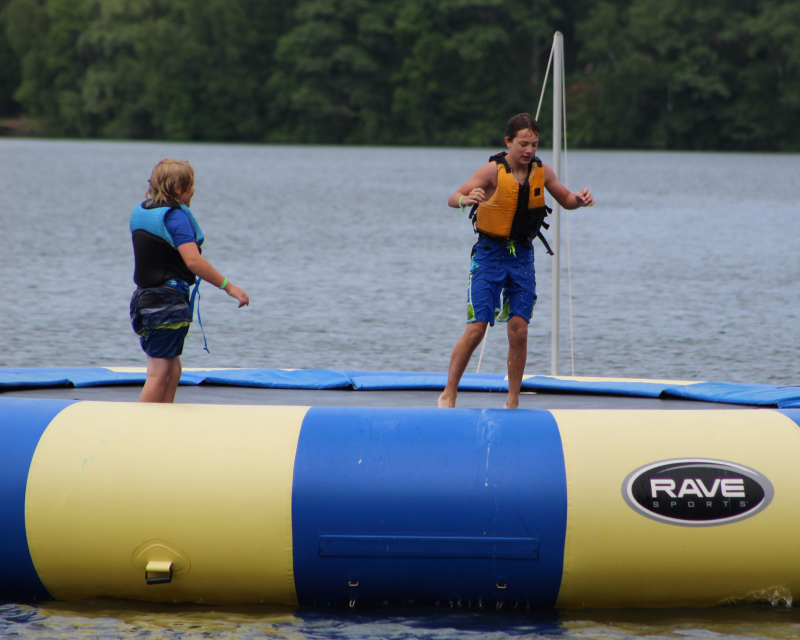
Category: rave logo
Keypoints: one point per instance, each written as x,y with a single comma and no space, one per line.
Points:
697,492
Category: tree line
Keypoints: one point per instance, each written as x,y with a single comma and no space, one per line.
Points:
656,74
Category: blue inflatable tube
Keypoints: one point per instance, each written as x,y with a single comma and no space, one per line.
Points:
361,507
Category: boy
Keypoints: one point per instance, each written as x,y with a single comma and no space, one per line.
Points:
508,192
166,249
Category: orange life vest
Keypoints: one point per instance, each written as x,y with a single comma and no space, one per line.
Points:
503,216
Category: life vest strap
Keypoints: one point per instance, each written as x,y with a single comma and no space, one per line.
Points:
544,242
473,216
500,158
196,292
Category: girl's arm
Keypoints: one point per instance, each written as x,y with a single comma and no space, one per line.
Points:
203,269
563,195
473,190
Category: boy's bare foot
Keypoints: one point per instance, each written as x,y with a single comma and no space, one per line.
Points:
446,401
511,404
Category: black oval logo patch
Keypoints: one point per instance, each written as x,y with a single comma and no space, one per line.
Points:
697,492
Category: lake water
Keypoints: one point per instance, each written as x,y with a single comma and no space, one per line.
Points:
120,619
687,267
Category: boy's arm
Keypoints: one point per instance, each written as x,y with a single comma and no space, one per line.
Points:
203,269
473,190
563,195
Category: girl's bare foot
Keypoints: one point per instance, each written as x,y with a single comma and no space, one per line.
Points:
446,401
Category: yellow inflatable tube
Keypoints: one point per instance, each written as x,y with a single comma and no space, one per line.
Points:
366,506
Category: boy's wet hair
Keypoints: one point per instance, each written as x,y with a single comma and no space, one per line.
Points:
521,122
170,179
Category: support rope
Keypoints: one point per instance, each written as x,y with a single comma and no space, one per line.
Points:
485,339
546,73
566,184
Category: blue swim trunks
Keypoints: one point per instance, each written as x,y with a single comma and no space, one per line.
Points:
161,317
164,343
501,284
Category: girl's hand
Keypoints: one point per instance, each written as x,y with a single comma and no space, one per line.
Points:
584,198
475,196
235,292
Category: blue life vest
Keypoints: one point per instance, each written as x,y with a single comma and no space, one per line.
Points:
152,221
156,257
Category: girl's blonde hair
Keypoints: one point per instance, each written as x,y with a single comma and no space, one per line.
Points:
170,179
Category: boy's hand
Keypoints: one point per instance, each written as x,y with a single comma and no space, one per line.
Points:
235,292
584,198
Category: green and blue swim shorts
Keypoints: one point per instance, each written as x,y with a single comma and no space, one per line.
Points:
502,281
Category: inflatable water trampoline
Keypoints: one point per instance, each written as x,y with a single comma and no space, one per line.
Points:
345,488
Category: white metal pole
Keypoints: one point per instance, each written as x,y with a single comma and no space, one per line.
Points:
558,54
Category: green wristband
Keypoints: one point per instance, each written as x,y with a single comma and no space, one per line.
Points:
224,284
459,204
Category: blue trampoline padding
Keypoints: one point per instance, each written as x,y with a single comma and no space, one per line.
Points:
421,505
98,376
376,380
794,414
744,394
635,389
190,378
278,378
365,374
434,381
61,376
22,423
747,394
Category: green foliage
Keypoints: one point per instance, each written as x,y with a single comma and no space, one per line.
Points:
334,64
459,77
10,70
174,69
665,74
669,74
